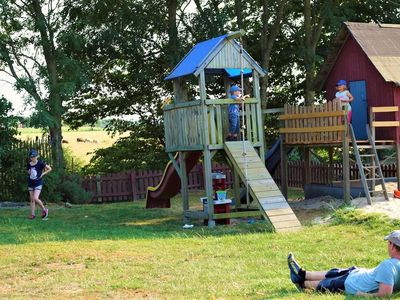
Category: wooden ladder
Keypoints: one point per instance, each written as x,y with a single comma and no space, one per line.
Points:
371,168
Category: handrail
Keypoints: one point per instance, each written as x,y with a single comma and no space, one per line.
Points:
229,101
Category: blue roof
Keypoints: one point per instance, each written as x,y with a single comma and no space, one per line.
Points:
189,64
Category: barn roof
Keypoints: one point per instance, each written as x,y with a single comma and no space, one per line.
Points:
216,56
380,42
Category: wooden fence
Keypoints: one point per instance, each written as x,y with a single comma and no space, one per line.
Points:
315,124
13,167
132,185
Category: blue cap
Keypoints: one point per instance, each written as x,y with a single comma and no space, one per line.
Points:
341,82
234,88
33,153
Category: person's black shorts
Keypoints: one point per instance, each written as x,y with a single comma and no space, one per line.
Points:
334,280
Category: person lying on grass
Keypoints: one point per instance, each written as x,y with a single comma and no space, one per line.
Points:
381,281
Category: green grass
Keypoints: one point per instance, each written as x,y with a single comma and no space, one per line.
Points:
126,252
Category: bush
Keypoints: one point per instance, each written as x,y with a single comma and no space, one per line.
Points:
71,190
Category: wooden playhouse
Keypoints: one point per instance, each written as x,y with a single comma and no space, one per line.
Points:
195,128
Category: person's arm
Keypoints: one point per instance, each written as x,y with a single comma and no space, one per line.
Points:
350,97
384,290
47,169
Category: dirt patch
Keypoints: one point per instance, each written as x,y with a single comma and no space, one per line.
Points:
317,210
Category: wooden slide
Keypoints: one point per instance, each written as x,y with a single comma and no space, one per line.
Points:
262,187
170,184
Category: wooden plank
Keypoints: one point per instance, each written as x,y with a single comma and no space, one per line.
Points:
213,134
219,125
270,193
228,101
310,115
384,109
272,199
254,129
313,129
240,214
278,205
386,123
283,218
279,212
285,224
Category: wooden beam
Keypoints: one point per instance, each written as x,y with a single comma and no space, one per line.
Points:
385,123
229,101
313,129
385,109
182,105
240,214
311,115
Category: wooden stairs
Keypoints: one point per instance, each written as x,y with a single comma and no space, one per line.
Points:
261,186
369,166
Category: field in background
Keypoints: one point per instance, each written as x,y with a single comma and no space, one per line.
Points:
94,138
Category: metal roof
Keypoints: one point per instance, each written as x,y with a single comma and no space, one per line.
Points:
201,53
380,42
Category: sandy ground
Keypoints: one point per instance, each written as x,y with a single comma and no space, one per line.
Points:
317,210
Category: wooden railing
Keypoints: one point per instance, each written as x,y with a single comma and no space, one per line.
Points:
185,128
379,124
316,124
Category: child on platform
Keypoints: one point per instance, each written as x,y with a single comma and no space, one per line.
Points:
344,96
234,112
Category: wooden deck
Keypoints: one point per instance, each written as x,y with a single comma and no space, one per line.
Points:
262,187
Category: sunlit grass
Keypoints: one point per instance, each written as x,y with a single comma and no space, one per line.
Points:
124,251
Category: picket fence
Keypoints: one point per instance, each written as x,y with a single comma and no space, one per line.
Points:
132,185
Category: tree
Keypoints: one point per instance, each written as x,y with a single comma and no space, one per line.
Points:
30,36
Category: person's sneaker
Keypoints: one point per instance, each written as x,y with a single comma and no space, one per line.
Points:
45,214
294,272
31,217
292,262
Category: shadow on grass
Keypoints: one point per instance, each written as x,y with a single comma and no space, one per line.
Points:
116,221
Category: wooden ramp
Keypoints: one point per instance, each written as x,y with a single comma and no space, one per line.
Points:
262,187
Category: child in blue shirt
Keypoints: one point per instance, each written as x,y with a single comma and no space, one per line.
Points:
36,170
234,112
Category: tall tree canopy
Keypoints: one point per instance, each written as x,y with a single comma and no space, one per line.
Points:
31,38
108,58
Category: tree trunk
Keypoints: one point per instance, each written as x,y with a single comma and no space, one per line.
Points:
55,100
173,44
309,54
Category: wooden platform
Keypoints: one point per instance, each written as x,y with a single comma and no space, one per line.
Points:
262,187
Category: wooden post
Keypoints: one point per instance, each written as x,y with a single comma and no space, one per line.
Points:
284,179
346,162
260,118
133,184
184,186
236,186
98,189
330,170
307,167
206,152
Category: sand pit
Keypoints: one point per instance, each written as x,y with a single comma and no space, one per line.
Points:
315,210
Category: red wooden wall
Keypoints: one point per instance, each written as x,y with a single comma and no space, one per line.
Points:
353,64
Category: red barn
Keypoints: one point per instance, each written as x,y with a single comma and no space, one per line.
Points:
367,56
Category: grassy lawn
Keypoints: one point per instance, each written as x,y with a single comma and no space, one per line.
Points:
126,252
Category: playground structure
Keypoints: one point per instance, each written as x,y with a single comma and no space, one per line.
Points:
198,127
326,125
